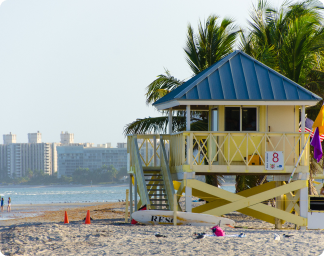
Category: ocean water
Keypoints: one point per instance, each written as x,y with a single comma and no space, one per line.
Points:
68,194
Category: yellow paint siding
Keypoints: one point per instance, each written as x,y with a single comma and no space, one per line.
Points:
282,119
242,142
221,118
210,118
262,118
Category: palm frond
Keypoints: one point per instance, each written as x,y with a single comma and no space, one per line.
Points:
212,42
164,82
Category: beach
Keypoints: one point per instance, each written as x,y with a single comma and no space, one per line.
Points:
108,234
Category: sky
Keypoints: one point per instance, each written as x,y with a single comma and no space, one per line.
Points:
82,66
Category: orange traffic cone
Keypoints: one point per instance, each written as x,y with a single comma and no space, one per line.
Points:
87,221
66,219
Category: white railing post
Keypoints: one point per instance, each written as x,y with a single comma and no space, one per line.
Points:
170,121
154,152
135,193
130,195
302,119
188,137
210,158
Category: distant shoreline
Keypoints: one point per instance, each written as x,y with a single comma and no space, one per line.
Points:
63,185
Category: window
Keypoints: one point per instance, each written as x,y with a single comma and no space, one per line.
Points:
232,119
240,119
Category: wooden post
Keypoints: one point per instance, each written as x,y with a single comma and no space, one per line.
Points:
154,152
188,197
279,205
302,120
131,195
188,118
135,194
126,206
170,121
175,208
188,137
303,200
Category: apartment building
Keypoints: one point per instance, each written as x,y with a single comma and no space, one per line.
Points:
71,158
17,158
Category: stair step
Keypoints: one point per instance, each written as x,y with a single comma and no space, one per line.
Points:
155,180
151,170
157,199
155,185
153,175
159,204
157,189
161,196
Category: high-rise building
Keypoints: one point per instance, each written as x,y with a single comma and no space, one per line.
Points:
67,138
35,137
61,158
17,158
121,145
9,138
71,158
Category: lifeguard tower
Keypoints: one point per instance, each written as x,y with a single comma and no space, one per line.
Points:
254,114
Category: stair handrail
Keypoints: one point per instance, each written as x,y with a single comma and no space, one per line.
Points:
166,174
139,175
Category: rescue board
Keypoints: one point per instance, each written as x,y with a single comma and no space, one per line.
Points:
158,217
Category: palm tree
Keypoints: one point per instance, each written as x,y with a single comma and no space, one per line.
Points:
212,42
289,40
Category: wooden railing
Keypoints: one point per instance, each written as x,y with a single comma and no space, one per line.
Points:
149,148
137,169
166,174
223,151
234,149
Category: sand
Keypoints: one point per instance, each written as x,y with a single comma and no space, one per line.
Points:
108,234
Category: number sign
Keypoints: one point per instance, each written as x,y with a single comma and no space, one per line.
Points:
274,160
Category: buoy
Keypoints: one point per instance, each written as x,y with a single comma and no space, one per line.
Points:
66,219
87,221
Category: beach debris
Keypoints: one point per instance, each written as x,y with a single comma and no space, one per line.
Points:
276,237
198,235
217,231
159,235
66,219
87,221
284,235
242,235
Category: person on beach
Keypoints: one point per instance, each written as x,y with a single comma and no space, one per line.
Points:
2,204
9,205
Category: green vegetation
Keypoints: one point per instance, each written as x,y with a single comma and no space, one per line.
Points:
103,175
289,39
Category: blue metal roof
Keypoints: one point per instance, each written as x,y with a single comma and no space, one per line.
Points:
239,77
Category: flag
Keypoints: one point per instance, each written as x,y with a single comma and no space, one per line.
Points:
319,121
308,128
316,142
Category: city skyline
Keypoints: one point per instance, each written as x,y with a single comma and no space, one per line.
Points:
38,136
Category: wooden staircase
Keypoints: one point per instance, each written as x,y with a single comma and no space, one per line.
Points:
154,184
156,188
